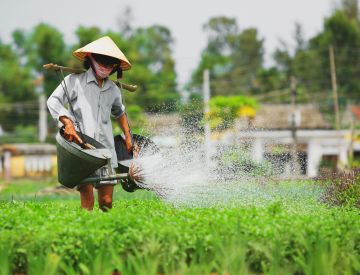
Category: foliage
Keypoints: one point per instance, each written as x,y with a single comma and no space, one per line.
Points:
16,85
224,110
154,68
43,44
148,49
21,134
233,57
344,34
136,119
15,81
344,189
22,64
237,161
86,35
148,236
192,115
310,62
18,188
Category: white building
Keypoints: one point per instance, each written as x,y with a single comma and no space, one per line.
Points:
268,136
313,147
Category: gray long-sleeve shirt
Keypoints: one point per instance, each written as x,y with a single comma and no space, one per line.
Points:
92,106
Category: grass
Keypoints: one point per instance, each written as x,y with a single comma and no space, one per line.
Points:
22,188
30,190
292,233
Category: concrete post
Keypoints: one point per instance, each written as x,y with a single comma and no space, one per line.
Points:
7,167
314,157
257,150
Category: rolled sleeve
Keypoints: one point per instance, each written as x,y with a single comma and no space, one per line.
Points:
57,100
117,108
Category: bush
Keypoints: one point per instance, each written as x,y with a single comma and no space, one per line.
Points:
225,109
192,116
240,162
137,120
344,190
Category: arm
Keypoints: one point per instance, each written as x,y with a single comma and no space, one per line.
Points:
57,101
118,111
124,125
135,171
55,104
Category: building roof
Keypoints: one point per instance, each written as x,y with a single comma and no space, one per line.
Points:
277,116
268,116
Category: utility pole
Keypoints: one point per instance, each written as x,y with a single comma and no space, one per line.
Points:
351,146
295,121
42,118
42,123
334,87
207,130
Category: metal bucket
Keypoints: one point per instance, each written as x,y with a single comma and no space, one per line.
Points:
76,164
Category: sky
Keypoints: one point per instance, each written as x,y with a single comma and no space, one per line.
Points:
274,20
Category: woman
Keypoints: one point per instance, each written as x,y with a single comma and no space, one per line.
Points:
93,98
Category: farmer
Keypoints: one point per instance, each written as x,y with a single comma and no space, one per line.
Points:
93,98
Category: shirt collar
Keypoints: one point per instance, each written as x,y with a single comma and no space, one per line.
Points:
90,76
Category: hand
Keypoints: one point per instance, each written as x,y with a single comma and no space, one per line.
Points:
129,144
70,132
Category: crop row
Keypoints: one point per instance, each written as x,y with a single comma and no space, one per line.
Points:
149,235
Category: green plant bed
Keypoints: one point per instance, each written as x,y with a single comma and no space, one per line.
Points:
21,187
148,236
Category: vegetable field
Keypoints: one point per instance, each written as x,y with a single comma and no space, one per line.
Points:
289,234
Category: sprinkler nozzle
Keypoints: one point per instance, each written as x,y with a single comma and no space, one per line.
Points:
135,173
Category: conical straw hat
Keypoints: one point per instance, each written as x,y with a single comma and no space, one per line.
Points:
104,46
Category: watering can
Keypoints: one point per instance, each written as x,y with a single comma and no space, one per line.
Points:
76,166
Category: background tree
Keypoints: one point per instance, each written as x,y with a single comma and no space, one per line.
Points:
216,57
343,34
86,35
309,62
150,50
350,8
44,44
233,58
247,60
16,90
